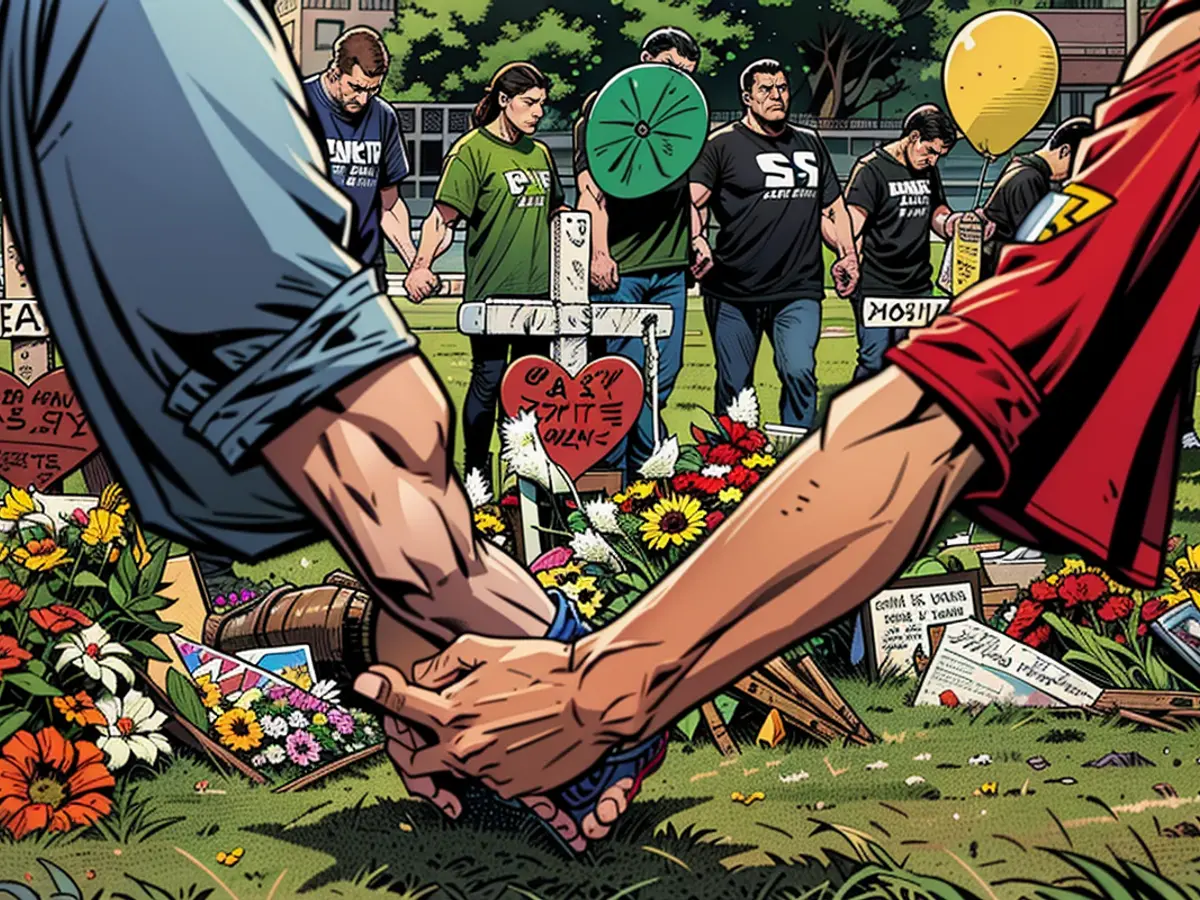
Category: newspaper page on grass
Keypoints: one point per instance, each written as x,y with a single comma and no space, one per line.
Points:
977,665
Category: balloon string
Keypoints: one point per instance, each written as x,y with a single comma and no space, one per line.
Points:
987,161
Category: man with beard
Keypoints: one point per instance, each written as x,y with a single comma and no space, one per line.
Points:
775,195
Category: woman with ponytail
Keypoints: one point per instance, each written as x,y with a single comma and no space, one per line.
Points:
503,185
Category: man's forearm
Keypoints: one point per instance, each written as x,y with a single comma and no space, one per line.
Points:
397,228
831,526
389,498
591,201
940,217
837,231
436,236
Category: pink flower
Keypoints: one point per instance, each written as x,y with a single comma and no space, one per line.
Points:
79,517
342,721
302,748
552,559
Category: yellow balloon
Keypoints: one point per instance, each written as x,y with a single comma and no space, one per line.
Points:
1000,76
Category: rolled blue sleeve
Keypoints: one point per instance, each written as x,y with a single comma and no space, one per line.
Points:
172,203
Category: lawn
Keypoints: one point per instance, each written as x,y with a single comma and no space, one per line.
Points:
686,837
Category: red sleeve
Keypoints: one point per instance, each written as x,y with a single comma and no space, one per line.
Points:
1067,368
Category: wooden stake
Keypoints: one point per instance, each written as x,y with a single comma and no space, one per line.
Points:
808,666
720,733
762,692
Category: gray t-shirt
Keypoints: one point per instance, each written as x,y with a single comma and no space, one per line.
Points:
186,248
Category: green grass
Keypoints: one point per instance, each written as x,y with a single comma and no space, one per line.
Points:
357,833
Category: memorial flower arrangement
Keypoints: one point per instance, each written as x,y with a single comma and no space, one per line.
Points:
613,549
78,614
1089,620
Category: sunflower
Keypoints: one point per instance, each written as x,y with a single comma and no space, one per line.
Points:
637,497
560,575
675,520
48,783
239,730
487,522
759,461
41,556
1184,575
210,694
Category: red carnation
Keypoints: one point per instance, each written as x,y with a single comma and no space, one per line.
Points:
1143,629
695,483
745,438
714,518
741,477
1043,591
1152,609
1115,608
1086,588
1028,612
1120,639
510,500
1038,636
720,454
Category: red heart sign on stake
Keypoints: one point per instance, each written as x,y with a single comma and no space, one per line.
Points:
44,435
581,418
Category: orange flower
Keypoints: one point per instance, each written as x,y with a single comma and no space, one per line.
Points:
11,655
49,783
79,710
58,618
10,593
41,556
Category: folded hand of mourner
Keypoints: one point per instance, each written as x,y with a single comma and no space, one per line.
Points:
508,712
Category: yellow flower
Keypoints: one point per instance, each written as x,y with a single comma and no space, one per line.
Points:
1072,565
4,551
320,719
141,553
210,694
41,556
560,575
487,522
759,461
1184,575
585,595
17,503
112,499
239,730
103,527
639,490
731,495
297,675
675,520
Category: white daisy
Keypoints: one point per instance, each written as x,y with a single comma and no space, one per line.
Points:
592,547
479,492
132,726
94,651
662,463
326,690
275,754
716,471
274,726
298,720
258,761
602,514
744,408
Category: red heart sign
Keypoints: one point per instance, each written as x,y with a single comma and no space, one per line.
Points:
580,419
44,435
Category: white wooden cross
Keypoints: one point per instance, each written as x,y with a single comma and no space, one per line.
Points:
568,318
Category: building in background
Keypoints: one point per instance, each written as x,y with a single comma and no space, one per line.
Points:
311,26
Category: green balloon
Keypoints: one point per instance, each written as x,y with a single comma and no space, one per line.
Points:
646,128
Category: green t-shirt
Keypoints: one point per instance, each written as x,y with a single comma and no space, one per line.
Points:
505,193
647,234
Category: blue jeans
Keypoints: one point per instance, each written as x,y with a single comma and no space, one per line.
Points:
668,287
794,327
872,342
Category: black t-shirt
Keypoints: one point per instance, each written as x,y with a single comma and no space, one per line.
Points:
1021,186
899,204
767,197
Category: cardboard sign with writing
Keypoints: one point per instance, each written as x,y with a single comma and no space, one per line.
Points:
902,312
968,253
16,285
44,435
581,418
977,665
896,621
23,320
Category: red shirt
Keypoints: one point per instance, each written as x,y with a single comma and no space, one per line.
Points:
1068,368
